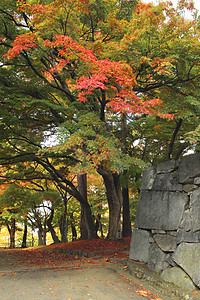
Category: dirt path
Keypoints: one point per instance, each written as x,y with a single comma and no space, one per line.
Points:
49,275
90,282
32,275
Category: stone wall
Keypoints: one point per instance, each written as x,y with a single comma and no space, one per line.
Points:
167,225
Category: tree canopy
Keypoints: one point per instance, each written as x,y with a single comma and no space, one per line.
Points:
115,82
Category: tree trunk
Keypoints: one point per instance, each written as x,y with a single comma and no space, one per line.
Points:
11,230
83,226
24,234
114,197
41,228
126,227
82,186
69,187
63,223
171,144
98,225
41,236
74,233
88,231
51,229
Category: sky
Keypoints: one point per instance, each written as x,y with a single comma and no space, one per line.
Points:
196,2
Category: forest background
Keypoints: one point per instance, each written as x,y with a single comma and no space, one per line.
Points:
91,93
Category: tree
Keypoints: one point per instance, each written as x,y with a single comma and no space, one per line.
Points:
98,66
14,208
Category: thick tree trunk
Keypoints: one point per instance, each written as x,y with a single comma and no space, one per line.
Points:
114,197
41,228
24,234
51,229
86,219
41,235
126,227
12,229
83,225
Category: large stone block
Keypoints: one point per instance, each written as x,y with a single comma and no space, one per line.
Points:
178,277
167,166
157,257
160,210
139,247
189,168
195,210
187,256
148,178
187,236
166,242
166,182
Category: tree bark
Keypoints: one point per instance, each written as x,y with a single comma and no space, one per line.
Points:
171,144
63,223
74,232
126,227
51,229
12,229
41,231
40,237
83,226
24,234
114,197
87,223
98,224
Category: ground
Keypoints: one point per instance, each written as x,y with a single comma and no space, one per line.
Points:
87,270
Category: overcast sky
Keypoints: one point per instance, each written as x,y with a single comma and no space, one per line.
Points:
196,2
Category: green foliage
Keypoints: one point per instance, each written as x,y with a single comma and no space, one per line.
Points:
72,70
15,198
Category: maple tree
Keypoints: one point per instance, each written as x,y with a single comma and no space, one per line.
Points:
88,66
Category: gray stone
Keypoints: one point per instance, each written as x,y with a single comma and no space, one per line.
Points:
167,166
169,260
186,223
166,182
187,256
189,187
148,178
178,277
195,210
166,242
157,258
197,181
189,168
160,210
139,247
187,236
